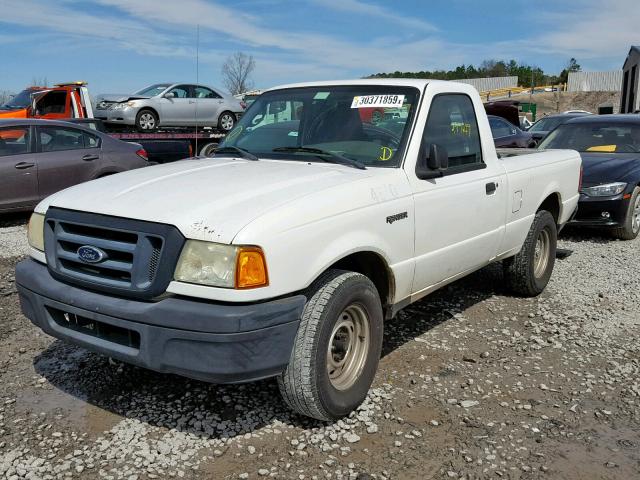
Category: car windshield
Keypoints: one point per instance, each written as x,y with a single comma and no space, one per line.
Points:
546,124
153,90
21,100
365,125
595,137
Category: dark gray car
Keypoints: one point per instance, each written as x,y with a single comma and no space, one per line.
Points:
542,127
41,157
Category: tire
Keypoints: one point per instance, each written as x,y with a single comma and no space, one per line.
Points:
528,272
208,149
147,121
314,384
226,121
629,230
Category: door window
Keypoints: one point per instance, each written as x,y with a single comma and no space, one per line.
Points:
204,92
181,91
55,139
500,128
14,141
452,125
52,102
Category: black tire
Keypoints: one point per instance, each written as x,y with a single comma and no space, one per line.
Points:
523,273
147,121
305,385
631,227
208,149
226,121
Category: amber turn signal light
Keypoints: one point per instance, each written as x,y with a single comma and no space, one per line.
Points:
251,268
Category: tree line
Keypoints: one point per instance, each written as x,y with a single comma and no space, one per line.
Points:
527,74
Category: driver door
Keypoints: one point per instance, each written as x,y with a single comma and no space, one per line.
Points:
179,109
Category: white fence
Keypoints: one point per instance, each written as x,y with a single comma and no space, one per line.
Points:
595,81
494,83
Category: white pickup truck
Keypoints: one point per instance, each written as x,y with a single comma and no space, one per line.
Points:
283,256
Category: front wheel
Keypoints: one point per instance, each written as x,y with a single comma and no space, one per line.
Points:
629,230
227,121
337,348
146,121
528,273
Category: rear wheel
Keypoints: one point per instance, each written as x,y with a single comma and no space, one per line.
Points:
146,121
337,348
227,121
631,227
528,273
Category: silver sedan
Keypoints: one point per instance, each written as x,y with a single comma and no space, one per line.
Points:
171,105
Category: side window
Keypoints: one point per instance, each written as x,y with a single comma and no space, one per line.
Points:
499,128
181,91
91,141
14,141
204,92
55,139
452,125
52,102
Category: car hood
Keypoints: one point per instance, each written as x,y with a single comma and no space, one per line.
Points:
206,199
119,97
599,168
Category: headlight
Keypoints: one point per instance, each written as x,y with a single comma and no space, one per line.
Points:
122,106
35,233
219,265
606,190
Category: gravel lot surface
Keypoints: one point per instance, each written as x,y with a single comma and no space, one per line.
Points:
474,383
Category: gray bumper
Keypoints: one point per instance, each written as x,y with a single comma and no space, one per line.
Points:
220,343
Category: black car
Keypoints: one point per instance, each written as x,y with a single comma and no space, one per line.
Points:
610,149
507,135
542,127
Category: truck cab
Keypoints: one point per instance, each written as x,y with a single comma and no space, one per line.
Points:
62,101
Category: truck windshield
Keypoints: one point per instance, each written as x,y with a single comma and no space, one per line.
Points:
366,124
21,100
153,90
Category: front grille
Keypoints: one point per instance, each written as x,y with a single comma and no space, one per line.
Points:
94,328
136,258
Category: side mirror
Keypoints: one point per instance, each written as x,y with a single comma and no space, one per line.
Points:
433,165
169,95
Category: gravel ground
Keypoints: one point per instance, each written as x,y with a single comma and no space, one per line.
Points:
474,383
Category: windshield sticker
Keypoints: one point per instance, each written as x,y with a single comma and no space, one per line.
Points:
321,95
386,153
234,133
603,148
458,128
294,133
377,101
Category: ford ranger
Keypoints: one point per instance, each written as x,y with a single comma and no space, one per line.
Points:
285,254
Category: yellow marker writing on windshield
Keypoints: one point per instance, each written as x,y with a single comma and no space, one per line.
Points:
385,154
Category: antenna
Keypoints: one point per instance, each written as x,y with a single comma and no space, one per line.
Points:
197,82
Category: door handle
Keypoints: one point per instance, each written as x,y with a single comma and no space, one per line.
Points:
491,188
89,157
23,165
192,101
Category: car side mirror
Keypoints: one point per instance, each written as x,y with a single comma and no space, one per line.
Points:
169,95
433,165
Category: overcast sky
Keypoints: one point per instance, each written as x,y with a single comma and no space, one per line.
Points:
123,45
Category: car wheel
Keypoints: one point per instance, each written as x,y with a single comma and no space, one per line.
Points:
146,121
227,121
631,227
208,149
528,272
337,348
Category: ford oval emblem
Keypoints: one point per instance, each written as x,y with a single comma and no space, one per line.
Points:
89,254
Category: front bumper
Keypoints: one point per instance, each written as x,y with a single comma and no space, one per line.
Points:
590,211
214,342
125,116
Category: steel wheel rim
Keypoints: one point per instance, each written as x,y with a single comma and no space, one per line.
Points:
635,221
348,347
541,253
147,122
226,122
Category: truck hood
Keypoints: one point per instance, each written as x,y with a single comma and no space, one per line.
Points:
13,113
206,199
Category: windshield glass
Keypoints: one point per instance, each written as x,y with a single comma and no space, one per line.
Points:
546,124
595,137
153,90
21,100
368,124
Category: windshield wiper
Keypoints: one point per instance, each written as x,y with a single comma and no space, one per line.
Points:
241,152
326,156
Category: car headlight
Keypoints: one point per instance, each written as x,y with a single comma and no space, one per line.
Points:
35,232
605,190
218,265
122,106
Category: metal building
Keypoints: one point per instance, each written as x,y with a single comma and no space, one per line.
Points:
493,83
630,102
595,81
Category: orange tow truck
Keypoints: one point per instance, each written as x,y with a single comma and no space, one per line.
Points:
62,101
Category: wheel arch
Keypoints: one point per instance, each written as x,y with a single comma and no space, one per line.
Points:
553,204
142,109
